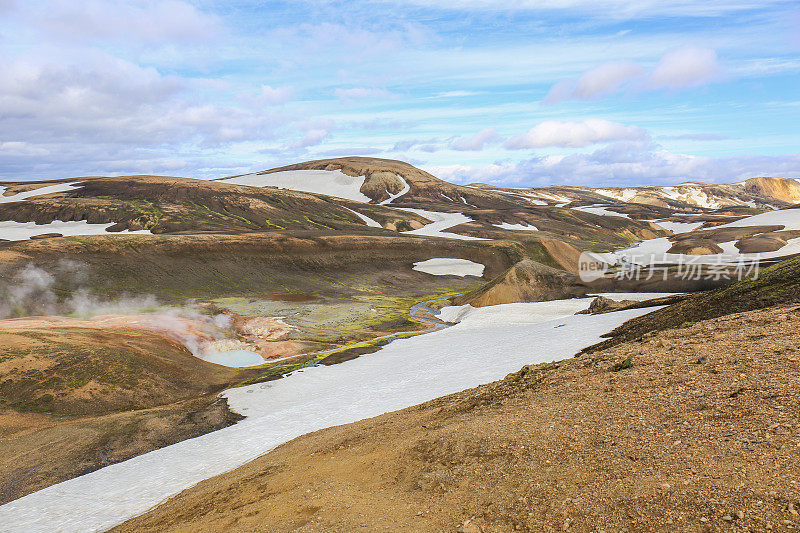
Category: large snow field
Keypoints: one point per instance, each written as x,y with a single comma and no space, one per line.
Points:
447,266
789,218
490,343
440,222
329,182
48,189
654,251
19,231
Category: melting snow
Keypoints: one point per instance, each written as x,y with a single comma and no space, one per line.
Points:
488,344
679,227
691,195
789,218
329,182
626,195
596,210
19,231
49,189
517,227
393,197
446,266
371,223
441,221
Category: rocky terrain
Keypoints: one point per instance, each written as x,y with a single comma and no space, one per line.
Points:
316,263
659,433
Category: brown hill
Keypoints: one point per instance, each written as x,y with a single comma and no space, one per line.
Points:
74,400
526,281
183,205
781,189
382,180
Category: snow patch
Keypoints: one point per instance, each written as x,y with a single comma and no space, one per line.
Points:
679,227
440,222
516,227
393,197
49,189
446,266
598,210
625,195
20,231
328,182
368,221
788,218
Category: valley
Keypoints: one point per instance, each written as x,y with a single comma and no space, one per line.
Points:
151,320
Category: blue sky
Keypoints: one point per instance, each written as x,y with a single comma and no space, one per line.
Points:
616,92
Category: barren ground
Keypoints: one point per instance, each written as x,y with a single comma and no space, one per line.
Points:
700,433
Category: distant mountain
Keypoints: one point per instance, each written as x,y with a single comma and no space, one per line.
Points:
761,192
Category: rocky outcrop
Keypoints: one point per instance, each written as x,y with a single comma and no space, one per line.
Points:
526,281
782,189
695,247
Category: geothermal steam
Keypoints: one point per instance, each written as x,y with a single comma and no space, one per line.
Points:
32,291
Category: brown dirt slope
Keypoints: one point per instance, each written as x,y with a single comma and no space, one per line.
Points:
786,190
85,372
699,431
778,284
72,401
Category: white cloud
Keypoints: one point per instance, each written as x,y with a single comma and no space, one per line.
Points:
17,148
613,9
623,164
153,21
360,93
274,95
476,142
311,138
454,94
688,66
607,78
574,134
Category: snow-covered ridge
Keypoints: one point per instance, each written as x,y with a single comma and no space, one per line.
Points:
691,195
626,195
329,182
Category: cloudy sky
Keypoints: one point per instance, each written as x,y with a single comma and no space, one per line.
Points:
525,92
